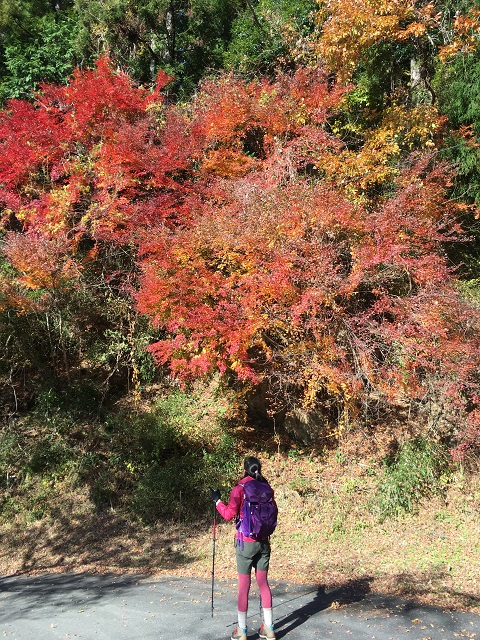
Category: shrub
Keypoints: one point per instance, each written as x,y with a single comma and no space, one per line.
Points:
419,469
159,464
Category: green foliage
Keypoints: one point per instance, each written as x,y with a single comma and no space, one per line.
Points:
11,456
471,289
38,455
152,465
418,470
220,464
261,35
46,55
190,39
202,41
186,39
19,16
253,50
177,485
49,455
127,30
381,72
171,461
458,90
88,345
159,464
165,490
457,86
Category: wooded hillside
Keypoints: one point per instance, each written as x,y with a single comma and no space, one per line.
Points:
220,217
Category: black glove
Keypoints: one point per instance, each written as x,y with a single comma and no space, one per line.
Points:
215,495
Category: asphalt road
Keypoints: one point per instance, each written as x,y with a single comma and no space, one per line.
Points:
98,607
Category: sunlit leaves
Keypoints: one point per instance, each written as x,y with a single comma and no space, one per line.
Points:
347,28
464,35
40,263
299,287
259,243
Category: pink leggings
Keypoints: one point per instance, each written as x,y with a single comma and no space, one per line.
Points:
244,581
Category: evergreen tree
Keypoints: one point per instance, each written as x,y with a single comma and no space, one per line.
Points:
37,45
182,37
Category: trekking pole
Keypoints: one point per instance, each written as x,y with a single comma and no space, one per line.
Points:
213,554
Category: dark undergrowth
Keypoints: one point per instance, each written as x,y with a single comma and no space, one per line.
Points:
147,463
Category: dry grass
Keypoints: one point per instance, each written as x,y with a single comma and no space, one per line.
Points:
326,535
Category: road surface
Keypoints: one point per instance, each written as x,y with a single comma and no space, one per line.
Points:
131,607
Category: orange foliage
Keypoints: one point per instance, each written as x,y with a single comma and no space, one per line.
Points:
347,28
257,257
465,31
301,288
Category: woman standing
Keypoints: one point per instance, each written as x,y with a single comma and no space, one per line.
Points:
251,552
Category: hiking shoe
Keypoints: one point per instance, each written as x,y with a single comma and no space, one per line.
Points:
239,634
266,632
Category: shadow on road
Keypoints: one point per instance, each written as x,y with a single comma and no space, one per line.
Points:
32,593
354,606
135,607
351,591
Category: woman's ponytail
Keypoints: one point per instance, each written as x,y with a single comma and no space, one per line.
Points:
253,468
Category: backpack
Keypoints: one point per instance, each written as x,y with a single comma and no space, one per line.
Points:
258,515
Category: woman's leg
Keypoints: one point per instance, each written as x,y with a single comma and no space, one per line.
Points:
265,592
246,554
261,575
244,582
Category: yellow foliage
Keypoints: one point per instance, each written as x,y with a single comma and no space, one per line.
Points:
347,28
401,130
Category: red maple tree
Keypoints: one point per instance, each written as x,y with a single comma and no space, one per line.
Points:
258,256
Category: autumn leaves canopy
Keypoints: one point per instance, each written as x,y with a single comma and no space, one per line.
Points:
259,245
